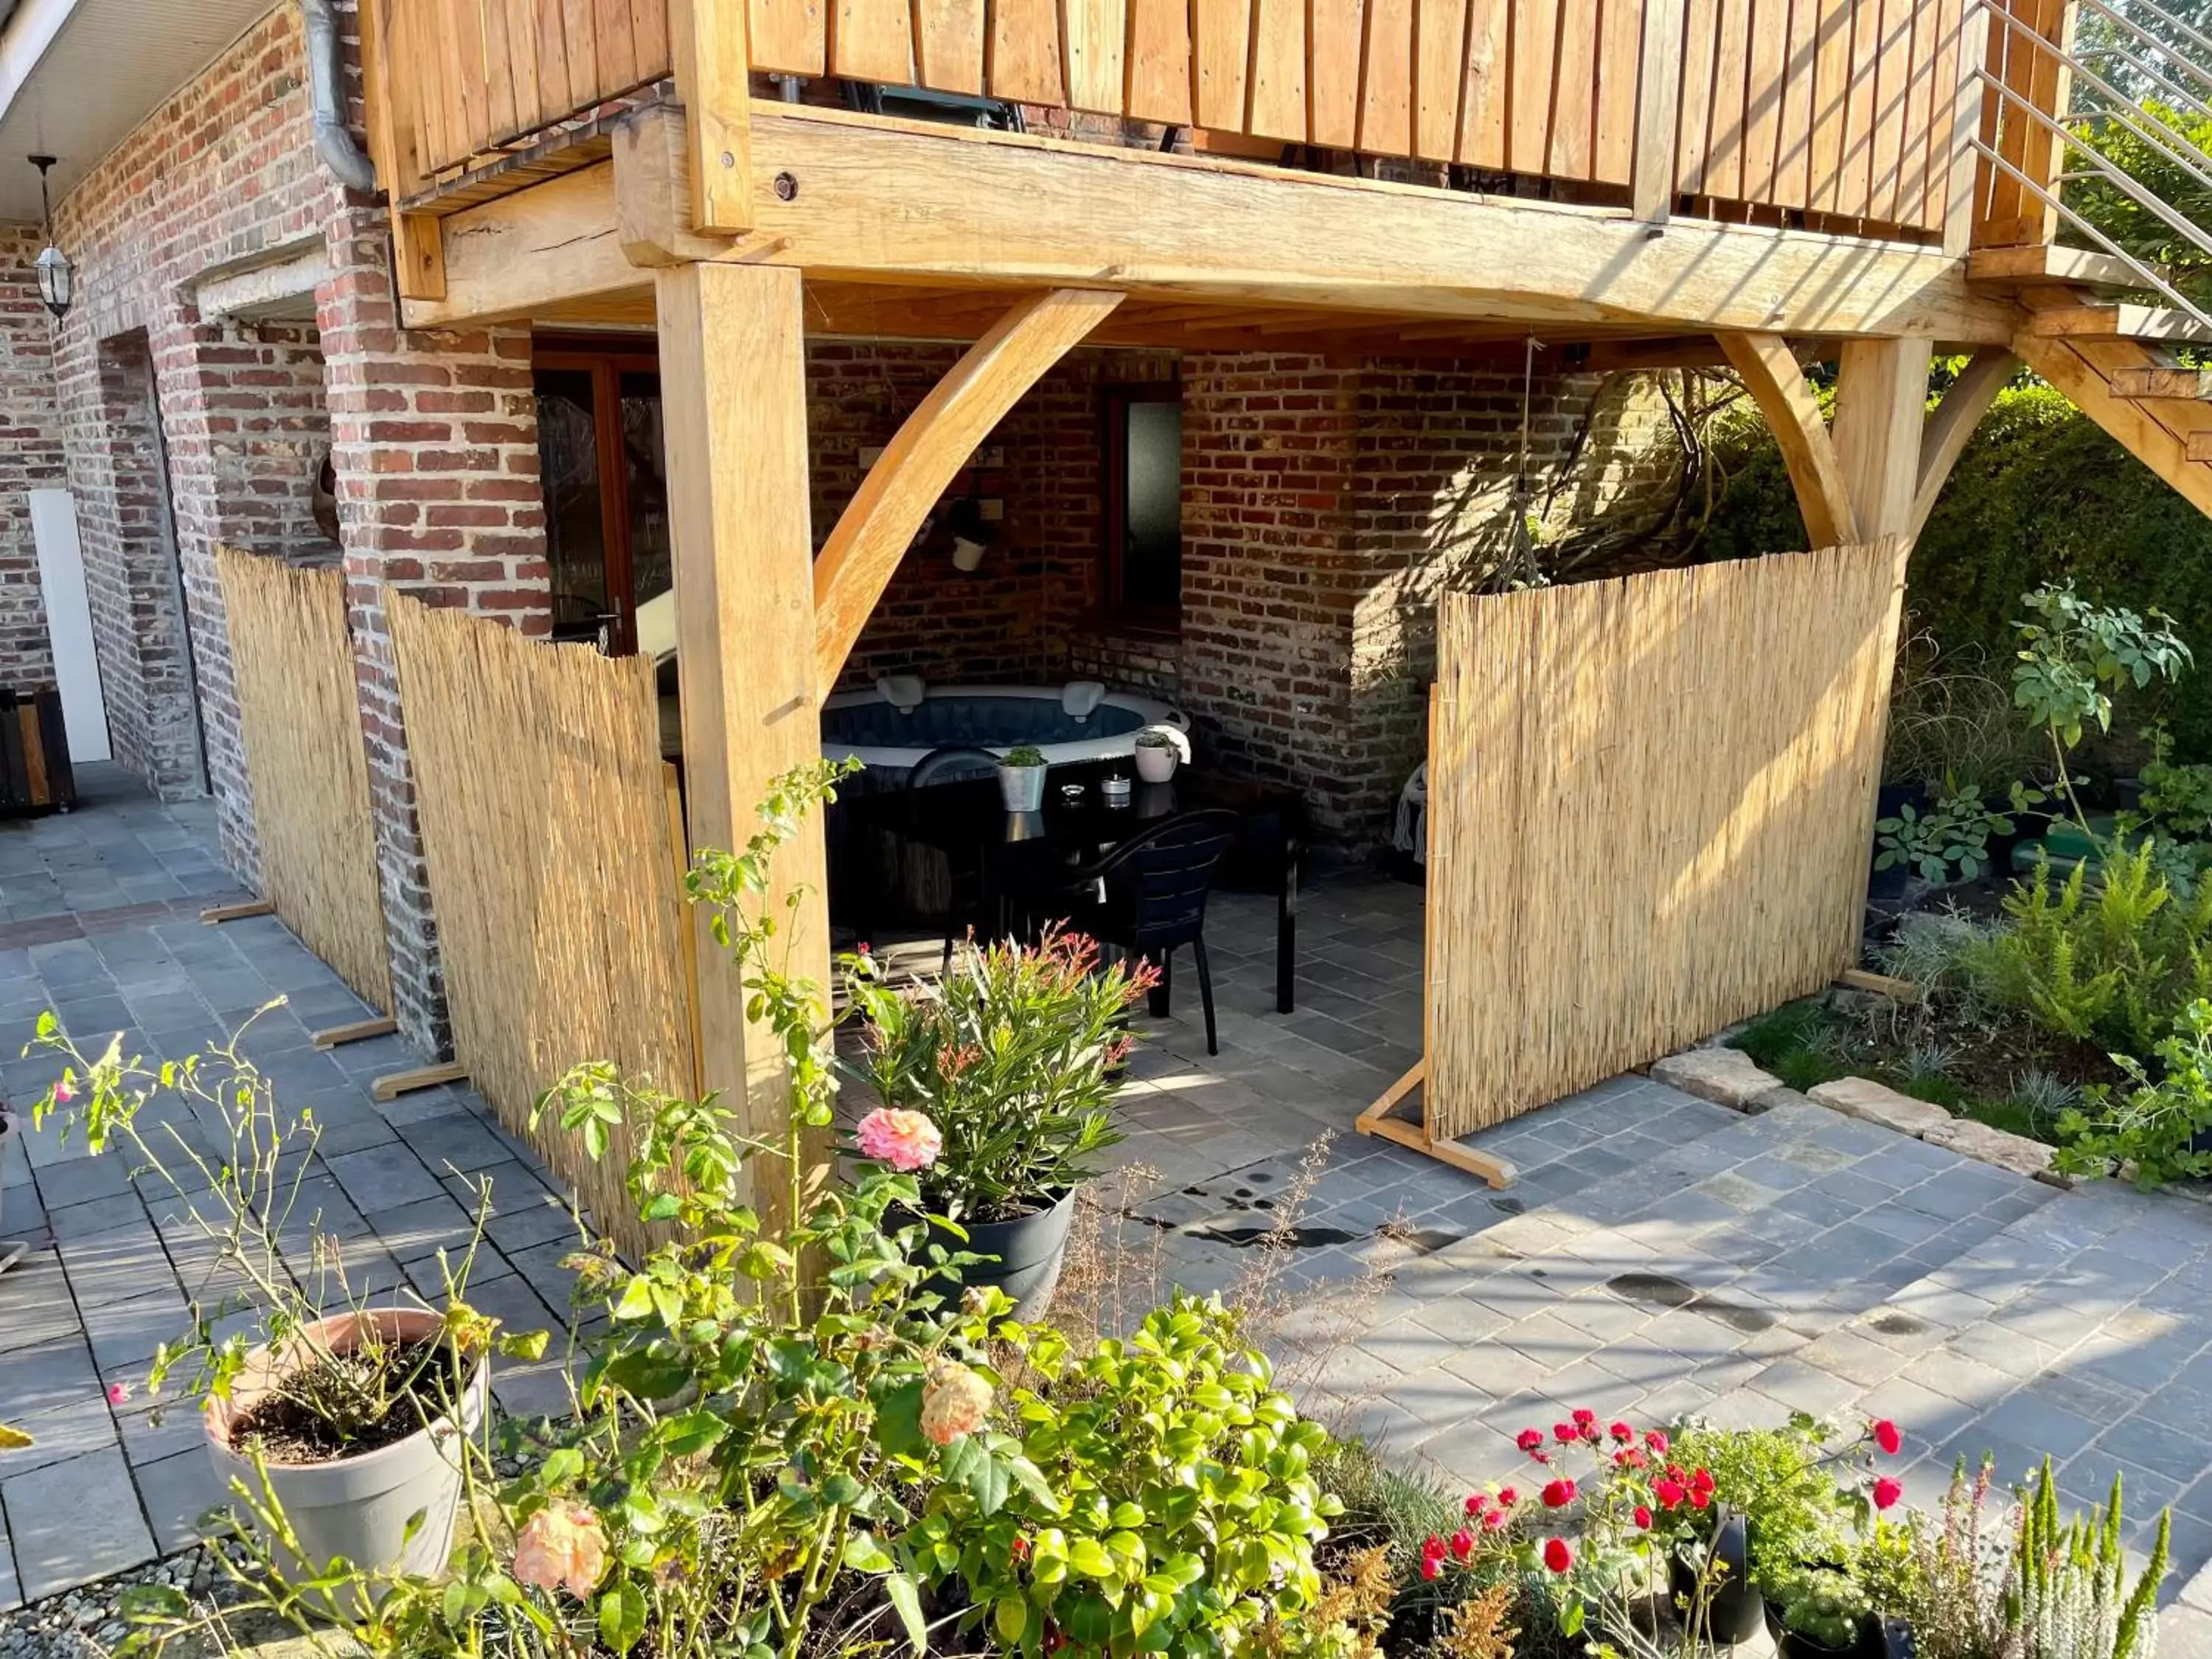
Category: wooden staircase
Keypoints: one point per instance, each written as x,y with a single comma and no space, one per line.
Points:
2112,356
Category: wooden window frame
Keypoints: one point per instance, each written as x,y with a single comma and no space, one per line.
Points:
607,360
1113,607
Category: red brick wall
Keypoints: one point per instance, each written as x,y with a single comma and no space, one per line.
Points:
433,436
30,456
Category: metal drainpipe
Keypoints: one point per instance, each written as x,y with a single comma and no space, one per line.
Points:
334,140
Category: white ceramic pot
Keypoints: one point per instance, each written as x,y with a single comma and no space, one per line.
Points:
1156,764
358,1507
1021,788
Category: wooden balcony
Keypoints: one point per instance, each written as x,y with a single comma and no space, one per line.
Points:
1853,116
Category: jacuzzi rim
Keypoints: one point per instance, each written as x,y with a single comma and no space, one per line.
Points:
1154,713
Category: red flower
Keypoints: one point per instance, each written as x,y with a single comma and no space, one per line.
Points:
1656,1440
1622,1432
1699,1499
1584,1418
1508,1497
1629,1457
1886,1436
1643,1516
1701,1481
1887,1491
1558,1493
1494,1520
1566,1433
1541,1456
1476,1502
1432,1565
1021,1548
1558,1555
1669,1492
1462,1544
1529,1439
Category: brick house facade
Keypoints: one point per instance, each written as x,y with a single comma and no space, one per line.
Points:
1323,501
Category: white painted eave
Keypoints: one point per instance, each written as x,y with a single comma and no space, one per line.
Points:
77,76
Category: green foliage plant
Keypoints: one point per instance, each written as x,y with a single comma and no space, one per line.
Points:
2112,965
1177,1510
2148,1128
1787,1485
1014,1054
1026,754
1947,843
2066,1592
2073,656
1827,1605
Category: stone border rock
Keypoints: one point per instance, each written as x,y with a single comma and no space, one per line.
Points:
1729,1076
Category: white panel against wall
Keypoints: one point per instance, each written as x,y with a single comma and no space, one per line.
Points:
68,623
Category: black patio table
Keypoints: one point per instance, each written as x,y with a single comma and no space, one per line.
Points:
1029,859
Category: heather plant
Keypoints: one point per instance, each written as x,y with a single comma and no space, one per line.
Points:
2066,1592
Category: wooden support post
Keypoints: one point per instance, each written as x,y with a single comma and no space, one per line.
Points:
734,388
1881,398
935,442
1954,422
713,83
1658,112
238,912
1772,374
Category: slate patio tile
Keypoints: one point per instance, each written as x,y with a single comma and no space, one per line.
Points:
73,1521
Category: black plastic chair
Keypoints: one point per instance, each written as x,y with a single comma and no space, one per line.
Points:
970,901
1151,897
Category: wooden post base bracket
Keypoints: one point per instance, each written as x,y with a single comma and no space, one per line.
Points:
359,1031
215,913
392,1084
1380,1120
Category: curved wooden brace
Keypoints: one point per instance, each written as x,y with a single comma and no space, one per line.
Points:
880,522
1944,438
1771,374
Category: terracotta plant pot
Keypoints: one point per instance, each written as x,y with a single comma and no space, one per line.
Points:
357,1507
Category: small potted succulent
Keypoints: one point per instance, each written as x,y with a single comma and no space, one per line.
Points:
1021,778
336,1411
1159,752
1823,1612
997,1086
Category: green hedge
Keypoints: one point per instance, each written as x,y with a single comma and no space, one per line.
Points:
2040,495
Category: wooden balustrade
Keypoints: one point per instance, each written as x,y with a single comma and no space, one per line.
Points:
1844,108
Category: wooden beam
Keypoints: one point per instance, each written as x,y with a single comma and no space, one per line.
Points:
2044,261
897,201
879,523
652,190
2058,362
2128,322
1772,374
1881,403
239,912
392,1084
1380,1120
359,1030
733,384
1953,421
706,42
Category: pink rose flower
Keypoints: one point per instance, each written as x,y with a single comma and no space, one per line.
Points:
954,1402
562,1544
905,1140
119,1393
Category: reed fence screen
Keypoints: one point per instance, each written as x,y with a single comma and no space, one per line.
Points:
1650,803
546,824
299,718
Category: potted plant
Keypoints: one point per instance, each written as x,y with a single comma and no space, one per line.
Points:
1159,751
997,1086
1823,1612
1021,778
1719,1564
337,1418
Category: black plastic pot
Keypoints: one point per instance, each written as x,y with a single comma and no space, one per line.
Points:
1877,1639
1737,1607
1024,1255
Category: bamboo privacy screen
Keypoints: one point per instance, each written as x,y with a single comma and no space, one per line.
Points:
546,824
1649,805
297,715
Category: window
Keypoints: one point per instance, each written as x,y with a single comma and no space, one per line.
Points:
1144,504
606,493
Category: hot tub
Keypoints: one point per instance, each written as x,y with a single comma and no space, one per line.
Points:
865,726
